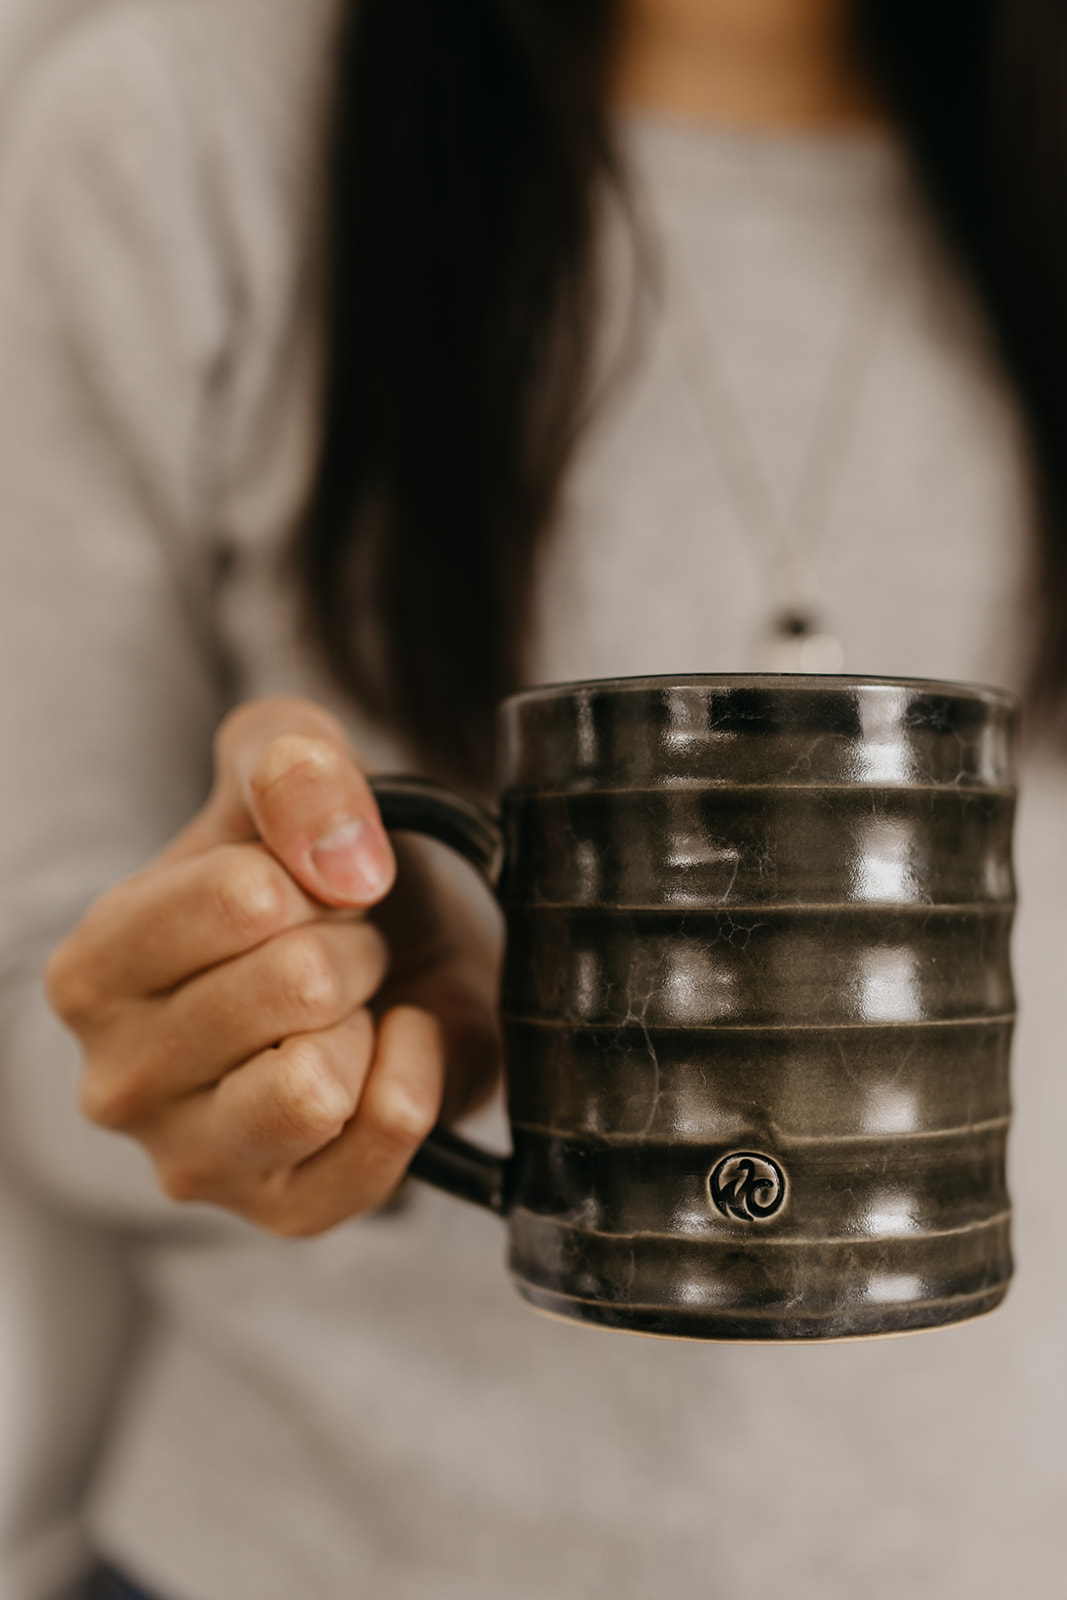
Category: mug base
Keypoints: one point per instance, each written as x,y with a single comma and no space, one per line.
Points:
846,1326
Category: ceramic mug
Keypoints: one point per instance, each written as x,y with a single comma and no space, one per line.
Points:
757,1001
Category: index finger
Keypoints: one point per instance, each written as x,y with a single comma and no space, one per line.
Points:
177,918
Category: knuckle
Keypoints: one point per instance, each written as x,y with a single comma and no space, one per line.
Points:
109,1099
72,986
297,1223
252,893
404,1117
235,721
237,725
276,710
312,982
311,1100
279,1211
184,1181
308,756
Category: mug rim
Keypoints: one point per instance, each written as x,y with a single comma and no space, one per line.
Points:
989,694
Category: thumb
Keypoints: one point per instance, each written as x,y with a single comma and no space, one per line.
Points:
286,774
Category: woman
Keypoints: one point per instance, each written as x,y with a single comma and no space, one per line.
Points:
779,420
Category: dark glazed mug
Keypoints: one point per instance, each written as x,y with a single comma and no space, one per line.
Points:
757,1001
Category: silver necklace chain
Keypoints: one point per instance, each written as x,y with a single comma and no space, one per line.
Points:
795,637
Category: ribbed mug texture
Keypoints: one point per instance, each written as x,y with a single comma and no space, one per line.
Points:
758,1003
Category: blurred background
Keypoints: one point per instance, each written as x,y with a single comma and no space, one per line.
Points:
58,1335
903,1470
26,25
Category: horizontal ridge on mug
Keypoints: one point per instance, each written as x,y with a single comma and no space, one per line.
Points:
794,966
789,732
870,845
618,1085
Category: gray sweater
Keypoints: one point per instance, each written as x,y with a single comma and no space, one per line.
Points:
373,1412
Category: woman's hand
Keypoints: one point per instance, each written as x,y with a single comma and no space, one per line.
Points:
274,1050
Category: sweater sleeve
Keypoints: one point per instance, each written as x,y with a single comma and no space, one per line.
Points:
114,343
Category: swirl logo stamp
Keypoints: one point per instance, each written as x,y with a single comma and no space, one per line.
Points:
747,1187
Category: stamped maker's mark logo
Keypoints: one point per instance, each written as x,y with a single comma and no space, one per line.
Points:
747,1187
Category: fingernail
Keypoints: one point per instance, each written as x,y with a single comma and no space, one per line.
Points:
351,861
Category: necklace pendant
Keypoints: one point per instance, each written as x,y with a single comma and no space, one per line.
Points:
794,642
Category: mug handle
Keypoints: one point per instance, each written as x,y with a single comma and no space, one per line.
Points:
416,805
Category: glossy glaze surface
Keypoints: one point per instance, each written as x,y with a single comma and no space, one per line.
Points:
758,1003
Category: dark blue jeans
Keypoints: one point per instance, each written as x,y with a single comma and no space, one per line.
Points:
109,1585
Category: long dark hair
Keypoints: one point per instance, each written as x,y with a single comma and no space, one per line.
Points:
471,152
